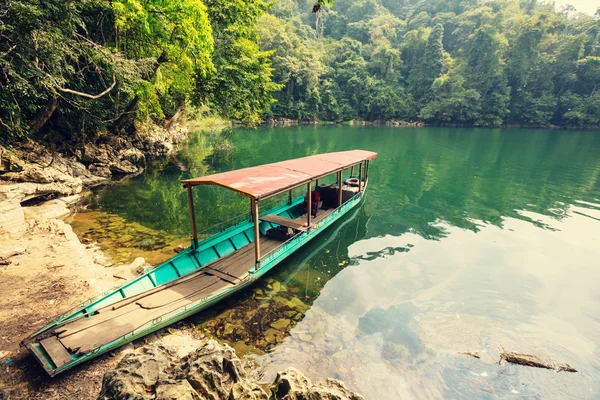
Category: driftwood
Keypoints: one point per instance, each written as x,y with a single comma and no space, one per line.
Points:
533,361
473,354
527,360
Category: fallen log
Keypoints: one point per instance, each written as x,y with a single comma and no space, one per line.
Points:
533,361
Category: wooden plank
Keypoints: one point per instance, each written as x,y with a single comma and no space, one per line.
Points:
57,352
176,293
239,267
222,275
288,222
320,216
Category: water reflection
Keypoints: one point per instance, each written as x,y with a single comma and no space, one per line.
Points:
469,240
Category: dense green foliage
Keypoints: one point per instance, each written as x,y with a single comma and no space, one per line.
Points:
442,61
73,68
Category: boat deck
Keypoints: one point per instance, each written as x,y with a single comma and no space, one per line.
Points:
122,317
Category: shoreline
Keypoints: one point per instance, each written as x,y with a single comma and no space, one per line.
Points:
419,124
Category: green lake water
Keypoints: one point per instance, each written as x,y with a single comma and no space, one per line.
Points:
469,240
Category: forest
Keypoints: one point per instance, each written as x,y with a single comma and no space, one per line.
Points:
73,70
463,62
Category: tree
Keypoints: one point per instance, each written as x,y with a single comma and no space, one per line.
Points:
432,64
240,86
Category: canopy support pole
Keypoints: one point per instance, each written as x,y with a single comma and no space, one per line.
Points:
254,206
309,211
366,170
360,169
340,189
352,172
290,197
192,217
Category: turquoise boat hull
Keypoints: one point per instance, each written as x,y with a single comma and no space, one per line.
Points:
186,262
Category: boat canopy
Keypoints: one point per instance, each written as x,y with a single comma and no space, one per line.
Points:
266,180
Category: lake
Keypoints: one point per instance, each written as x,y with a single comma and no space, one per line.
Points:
469,240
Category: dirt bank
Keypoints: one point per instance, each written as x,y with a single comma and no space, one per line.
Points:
47,271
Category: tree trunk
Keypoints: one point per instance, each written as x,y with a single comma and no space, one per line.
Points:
43,115
128,114
169,123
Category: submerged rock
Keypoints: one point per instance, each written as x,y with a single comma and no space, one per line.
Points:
293,385
281,324
213,371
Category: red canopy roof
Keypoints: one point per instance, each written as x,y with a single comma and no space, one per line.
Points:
264,180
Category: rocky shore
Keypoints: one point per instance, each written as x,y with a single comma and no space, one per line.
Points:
32,172
391,122
207,370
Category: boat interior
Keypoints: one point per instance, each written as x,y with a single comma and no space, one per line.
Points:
218,262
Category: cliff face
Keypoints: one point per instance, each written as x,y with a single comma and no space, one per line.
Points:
211,371
32,171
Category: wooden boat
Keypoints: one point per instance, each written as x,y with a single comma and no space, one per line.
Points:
215,267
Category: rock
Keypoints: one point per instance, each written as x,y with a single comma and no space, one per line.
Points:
138,266
101,170
533,361
293,385
12,223
37,174
94,154
305,337
137,374
133,155
276,285
147,243
298,304
281,324
9,162
5,254
50,209
70,200
228,328
78,169
123,167
216,372
182,343
181,390
93,180
212,371
273,336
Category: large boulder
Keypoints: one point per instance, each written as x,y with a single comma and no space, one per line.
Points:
138,374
